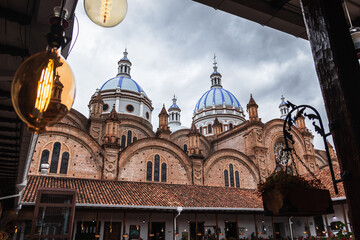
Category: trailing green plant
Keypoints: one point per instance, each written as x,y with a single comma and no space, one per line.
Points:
283,181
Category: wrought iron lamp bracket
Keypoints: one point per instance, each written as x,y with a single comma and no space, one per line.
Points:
319,128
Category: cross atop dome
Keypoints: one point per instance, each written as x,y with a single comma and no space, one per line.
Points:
215,76
124,66
215,67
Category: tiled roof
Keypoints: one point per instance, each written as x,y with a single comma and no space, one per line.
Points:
325,177
146,194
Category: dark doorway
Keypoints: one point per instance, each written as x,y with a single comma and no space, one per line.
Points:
279,230
319,226
112,230
158,230
230,230
86,230
200,230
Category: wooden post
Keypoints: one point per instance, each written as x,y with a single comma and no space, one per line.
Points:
237,227
327,226
217,227
307,227
273,227
124,226
196,227
256,228
150,227
339,73
345,218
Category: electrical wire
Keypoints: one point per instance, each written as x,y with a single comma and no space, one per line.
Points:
77,34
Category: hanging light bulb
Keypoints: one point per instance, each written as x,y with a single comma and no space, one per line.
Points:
106,13
43,87
354,32
355,35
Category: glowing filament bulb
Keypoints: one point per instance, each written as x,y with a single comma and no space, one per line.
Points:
105,10
44,88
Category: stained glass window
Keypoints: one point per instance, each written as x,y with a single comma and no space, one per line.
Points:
163,172
64,163
149,171
44,158
226,178
55,158
156,168
237,179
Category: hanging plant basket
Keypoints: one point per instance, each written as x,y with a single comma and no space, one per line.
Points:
288,195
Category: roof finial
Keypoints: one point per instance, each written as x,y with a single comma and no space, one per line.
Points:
215,66
125,53
174,100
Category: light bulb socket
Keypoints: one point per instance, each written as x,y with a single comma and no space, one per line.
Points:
56,37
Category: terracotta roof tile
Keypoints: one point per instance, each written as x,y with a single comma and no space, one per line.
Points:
325,177
146,194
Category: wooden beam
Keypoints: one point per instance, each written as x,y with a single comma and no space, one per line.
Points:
256,227
339,73
307,227
217,226
273,227
345,218
327,226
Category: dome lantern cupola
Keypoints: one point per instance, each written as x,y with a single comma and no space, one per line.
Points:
174,113
124,66
215,76
284,110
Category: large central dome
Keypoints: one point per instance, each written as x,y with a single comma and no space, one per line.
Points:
124,94
122,82
217,103
217,97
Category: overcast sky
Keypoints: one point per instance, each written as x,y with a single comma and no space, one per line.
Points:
171,44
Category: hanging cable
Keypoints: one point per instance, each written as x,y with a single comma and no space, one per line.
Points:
77,34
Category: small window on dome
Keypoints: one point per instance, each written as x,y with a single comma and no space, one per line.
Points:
130,108
105,107
147,115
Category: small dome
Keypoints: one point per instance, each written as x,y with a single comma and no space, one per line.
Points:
218,97
125,83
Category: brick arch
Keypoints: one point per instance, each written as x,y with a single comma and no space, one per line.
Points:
273,132
205,143
156,143
80,136
234,155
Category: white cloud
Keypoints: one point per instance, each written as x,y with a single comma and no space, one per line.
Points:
171,45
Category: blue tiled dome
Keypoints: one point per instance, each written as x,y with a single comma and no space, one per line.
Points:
218,96
174,106
125,83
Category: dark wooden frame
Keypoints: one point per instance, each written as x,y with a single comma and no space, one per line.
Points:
297,202
38,204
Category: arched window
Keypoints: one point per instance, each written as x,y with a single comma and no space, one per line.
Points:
163,172
209,128
55,158
230,125
226,178
64,163
156,168
185,148
237,179
231,169
123,141
149,171
172,116
134,139
129,138
201,130
221,127
176,116
44,158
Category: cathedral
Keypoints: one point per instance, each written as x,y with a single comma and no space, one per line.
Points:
188,183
